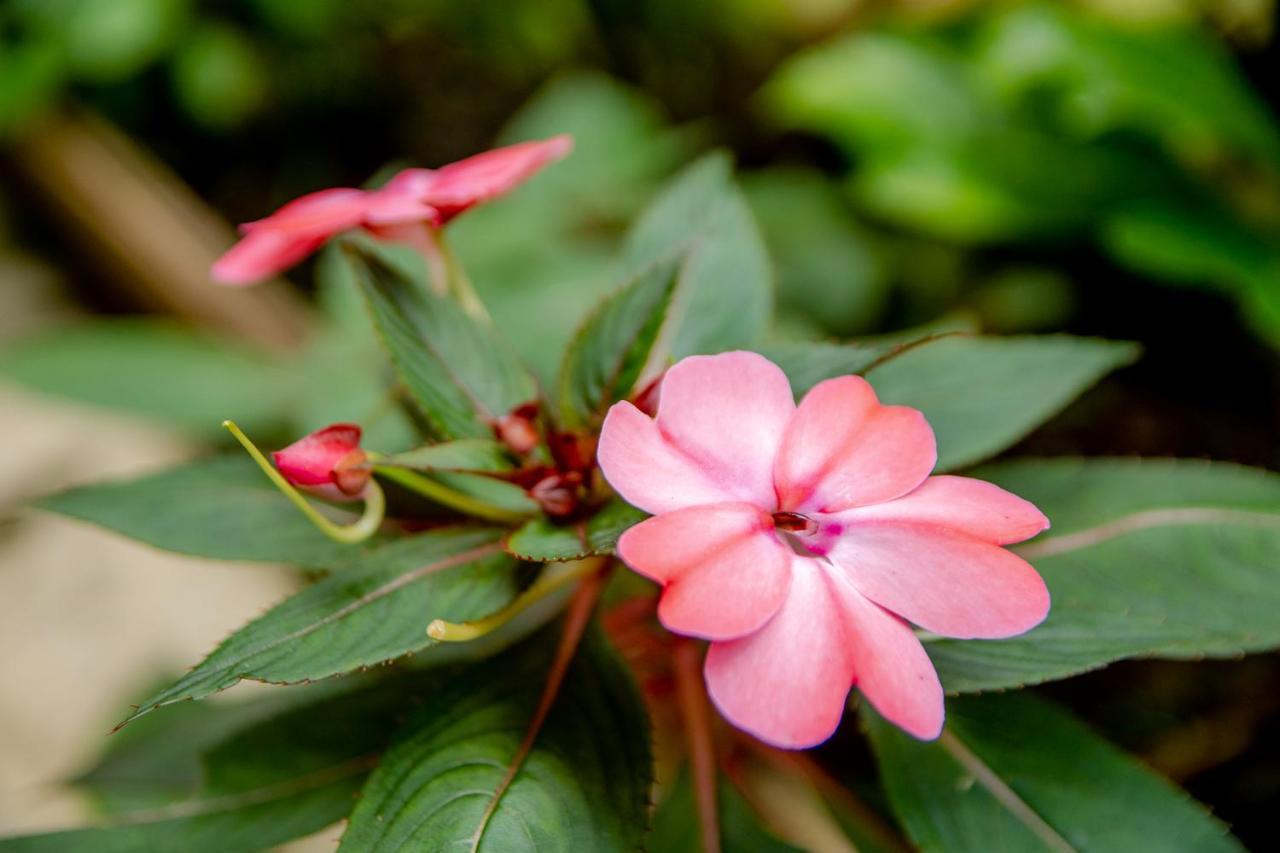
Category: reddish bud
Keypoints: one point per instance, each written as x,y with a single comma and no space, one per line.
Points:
558,494
328,463
518,429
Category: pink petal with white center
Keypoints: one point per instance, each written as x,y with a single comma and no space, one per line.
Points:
890,666
723,569
456,187
943,581
973,507
262,253
787,683
647,470
728,413
844,449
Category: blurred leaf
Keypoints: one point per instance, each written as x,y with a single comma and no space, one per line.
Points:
726,297
267,771
1145,558
461,374
543,253
222,507
876,92
1014,773
617,343
1204,245
218,76
583,786
467,454
676,828
32,72
1176,83
621,147
373,610
828,269
159,370
982,395
1024,299
110,40
543,541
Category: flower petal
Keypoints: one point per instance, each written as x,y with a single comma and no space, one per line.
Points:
458,186
890,666
787,683
728,412
319,214
973,507
844,449
943,581
647,470
723,569
261,254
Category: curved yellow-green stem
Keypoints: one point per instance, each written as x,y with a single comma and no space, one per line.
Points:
461,632
375,503
446,496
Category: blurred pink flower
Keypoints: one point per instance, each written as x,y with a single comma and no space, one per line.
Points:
412,200
328,463
801,540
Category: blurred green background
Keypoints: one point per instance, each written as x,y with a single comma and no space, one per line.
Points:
1104,167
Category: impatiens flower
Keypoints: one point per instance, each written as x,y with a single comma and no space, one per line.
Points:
412,200
805,541
327,463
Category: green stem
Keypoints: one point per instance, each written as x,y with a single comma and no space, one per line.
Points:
445,271
442,494
547,583
375,504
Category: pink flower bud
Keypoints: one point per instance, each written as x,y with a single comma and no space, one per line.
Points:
327,463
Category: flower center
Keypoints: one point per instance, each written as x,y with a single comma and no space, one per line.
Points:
794,522
801,533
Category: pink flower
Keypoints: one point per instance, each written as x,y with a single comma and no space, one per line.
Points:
413,199
802,540
328,463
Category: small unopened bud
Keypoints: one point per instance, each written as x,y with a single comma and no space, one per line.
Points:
518,429
558,494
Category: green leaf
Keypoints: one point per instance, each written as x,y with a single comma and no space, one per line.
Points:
245,777
222,507
543,541
726,299
467,454
830,273
808,363
157,370
611,351
460,374
584,785
982,395
1014,773
876,92
676,827
1145,558
375,609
